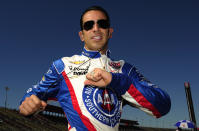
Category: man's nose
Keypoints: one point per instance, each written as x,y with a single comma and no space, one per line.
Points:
96,27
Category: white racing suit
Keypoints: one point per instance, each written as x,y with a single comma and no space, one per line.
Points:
93,108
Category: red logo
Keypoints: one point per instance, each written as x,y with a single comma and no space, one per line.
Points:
107,103
115,65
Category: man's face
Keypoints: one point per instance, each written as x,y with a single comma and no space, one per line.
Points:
96,37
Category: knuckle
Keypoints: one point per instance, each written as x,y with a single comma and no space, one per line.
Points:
37,103
30,110
26,99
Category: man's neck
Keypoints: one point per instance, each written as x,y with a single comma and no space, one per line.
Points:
102,51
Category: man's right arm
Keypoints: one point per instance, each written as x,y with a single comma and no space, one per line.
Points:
36,97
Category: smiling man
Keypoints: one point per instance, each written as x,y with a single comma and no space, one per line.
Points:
96,31
91,87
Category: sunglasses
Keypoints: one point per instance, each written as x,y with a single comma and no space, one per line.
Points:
104,24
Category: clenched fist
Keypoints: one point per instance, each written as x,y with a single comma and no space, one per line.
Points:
31,104
98,77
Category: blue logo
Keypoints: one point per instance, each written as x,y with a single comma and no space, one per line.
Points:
102,104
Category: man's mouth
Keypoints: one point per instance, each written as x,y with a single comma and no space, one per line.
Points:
97,37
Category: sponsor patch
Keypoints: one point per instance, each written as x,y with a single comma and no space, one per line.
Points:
77,62
115,65
79,70
102,104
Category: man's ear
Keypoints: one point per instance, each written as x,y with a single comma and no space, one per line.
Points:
81,36
110,32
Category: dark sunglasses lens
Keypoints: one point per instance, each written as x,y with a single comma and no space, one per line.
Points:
103,24
88,25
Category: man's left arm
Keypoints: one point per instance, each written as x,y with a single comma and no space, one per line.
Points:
140,92
134,88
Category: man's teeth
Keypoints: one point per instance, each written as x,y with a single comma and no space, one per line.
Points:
97,37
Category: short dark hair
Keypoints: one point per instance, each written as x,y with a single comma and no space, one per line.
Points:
93,8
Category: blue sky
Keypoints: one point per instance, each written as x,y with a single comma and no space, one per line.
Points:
159,37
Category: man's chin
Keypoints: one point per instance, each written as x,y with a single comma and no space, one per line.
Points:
97,47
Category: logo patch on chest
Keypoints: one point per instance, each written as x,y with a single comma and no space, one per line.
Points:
78,70
102,104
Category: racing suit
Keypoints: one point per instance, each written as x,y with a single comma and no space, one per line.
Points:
92,108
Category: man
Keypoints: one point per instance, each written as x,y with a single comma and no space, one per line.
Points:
91,87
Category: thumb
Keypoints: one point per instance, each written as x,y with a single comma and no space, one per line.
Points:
43,104
88,82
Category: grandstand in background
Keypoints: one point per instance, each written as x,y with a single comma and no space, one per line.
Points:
53,119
